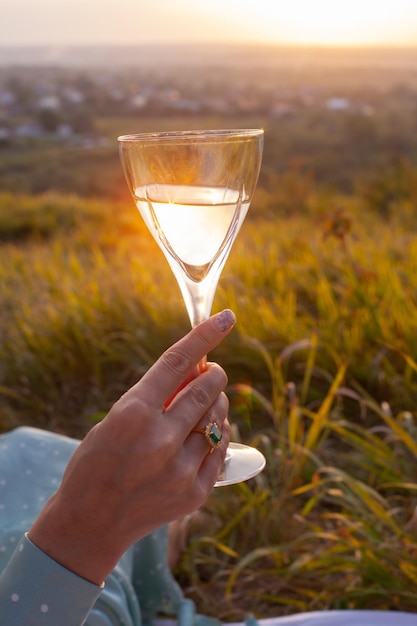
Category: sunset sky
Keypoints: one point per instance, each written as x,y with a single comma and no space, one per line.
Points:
167,21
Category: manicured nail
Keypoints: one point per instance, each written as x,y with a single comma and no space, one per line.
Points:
224,320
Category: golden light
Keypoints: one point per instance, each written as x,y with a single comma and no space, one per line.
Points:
318,21
329,22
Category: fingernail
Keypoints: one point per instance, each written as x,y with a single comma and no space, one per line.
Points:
224,320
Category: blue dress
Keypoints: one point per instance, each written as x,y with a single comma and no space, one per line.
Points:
34,589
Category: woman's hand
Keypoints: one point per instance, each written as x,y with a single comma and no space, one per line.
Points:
142,466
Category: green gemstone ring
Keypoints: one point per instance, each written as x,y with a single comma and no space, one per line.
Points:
212,433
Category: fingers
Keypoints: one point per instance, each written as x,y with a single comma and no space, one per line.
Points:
202,461
179,361
200,466
196,399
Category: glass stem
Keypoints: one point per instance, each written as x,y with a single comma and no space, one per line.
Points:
198,298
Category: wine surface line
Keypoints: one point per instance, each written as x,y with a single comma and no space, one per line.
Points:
193,224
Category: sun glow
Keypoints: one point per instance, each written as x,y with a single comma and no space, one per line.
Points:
326,22
322,21
333,22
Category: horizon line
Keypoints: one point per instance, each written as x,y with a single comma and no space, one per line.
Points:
260,44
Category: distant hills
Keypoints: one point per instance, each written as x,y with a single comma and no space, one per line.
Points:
206,55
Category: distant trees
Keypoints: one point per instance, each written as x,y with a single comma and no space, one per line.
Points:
81,120
49,119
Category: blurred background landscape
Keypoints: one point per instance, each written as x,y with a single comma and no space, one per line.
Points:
340,115
322,364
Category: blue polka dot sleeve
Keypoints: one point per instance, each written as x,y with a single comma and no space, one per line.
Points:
34,590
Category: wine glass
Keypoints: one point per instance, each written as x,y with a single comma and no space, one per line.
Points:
193,190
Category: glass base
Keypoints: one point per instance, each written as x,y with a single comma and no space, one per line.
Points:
242,462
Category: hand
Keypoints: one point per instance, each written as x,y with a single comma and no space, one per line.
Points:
142,466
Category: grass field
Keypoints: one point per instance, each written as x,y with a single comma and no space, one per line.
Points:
322,372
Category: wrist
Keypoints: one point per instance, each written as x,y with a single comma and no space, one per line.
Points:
74,543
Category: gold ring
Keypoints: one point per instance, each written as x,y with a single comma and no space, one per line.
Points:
212,433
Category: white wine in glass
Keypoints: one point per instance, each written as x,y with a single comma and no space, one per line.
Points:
193,190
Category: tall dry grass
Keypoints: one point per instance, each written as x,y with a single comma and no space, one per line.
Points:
322,377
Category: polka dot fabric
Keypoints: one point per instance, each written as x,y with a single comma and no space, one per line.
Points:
31,466
34,589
